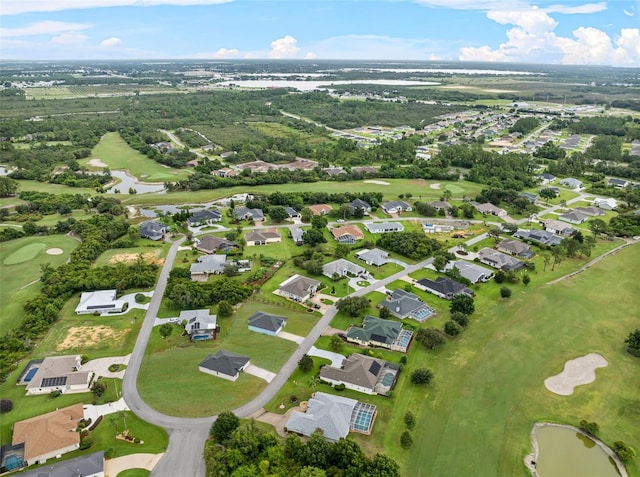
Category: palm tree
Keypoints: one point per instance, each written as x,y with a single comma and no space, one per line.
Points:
547,261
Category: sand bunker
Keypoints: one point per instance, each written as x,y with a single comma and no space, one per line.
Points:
97,163
148,257
55,251
576,372
435,186
87,336
371,181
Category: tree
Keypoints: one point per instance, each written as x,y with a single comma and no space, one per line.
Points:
548,193
319,221
633,343
591,428
353,305
597,227
225,308
342,250
278,213
335,344
313,237
558,256
422,376
452,328
305,364
230,270
547,260
526,279
406,440
430,338
460,318
5,405
223,428
439,262
98,388
500,277
165,330
505,293
409,420
463,304
625,452
8,186
384,313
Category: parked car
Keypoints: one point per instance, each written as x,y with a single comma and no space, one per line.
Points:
173,320
316,306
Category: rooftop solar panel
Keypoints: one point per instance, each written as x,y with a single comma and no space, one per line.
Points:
57,381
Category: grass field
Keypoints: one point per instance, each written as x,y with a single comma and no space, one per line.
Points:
134,473
114,151
20,262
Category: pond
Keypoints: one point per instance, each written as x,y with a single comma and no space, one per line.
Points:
127,181
563,451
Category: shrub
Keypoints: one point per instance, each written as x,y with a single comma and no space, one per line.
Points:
109,453
431,338
409,420
460,318
421,376
84,359
505,293
55,393
406,440
339,387
625,452
590,428
85,443
452,328
140,298
5,405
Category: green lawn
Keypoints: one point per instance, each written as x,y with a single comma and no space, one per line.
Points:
116,153
20,262
134,473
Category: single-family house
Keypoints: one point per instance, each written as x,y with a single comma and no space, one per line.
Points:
515,248
590,211
57,373
363,374
606,204
298,288
210,244
342,268
200,324
90,465
153,230
573,217
471,271
546,178
266,323
360,204
533,198
403,304
396,207
335,416
437,228
557,227
347,234
440,205
204,217
383,227
444,287
619,183
207,265
224,364
489,208
539,236
262,237
240,212
296,235
49,435
226,172
374,256
571,182
320,209
334,171
292,213
499,260
100,301
381,333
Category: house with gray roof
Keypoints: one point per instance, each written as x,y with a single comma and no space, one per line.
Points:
201,325
515,248
296,235
335,416
241,212
546,178
207,265
224,364
573,217
342,268
374,256
557,227
403,304
489,208
99,301
262,237
363,374
153,230
619,183
292,213
539,236
572,183
499,260
444,287
381,333
90,465
396,207
360,204
57,373
266,323
533,198
298,288
204,217
383,227
590,211
471,271
439,205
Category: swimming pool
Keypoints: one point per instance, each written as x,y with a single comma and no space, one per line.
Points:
30,374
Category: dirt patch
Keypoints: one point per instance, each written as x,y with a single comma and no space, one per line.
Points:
435,186
55,251
97,163
375,182
148,257
88,336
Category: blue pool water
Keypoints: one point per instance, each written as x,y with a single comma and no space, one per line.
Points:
30,374
13,462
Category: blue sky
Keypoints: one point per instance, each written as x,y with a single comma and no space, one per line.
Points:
570,32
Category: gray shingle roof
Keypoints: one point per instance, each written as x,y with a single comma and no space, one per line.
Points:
84,465
266,321
225,362
445,286
330,413
203,215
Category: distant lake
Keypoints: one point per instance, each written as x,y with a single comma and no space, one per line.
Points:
450,71
127,181
311,85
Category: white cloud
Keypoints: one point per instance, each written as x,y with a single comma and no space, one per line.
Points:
631,12
69,39
310,56
285,47
14,7
111,42
43,28
535,21
512,5
221,53
375,47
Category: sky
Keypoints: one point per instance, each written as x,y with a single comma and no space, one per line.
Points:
542,31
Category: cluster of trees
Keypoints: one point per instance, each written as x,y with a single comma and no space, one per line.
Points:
525,125
243,450
461,307
185,294
414,245
633,343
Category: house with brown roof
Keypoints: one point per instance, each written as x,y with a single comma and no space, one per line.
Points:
57,373
49,435
489,208
515,248
262,237
210,244
320,209
298,288
348,233
363,374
